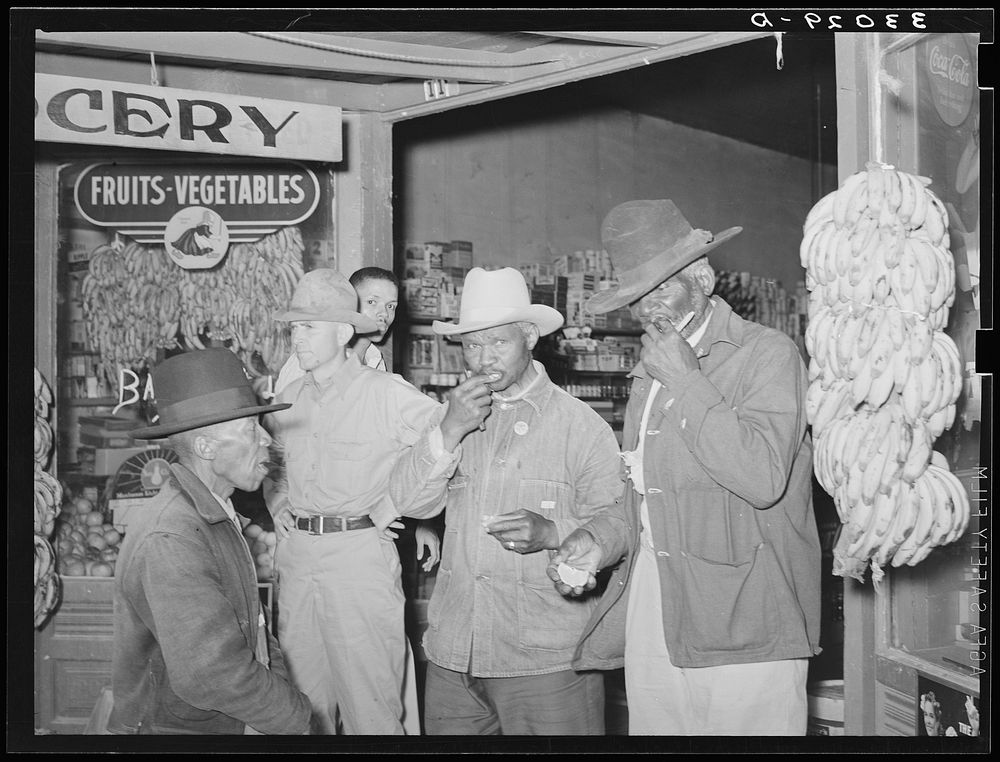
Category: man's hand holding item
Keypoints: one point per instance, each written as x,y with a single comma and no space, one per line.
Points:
579,551
666,354
524,531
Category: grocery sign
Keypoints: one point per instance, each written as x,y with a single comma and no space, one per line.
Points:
99,112
140,200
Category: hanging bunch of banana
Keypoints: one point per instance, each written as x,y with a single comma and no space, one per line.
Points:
130,303
236,302
48,498
884,377
137,301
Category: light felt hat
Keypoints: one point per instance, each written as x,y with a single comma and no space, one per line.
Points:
199,388
497,297
648,241
325,295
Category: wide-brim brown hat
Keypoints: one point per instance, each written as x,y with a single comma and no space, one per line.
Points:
497,297
648,242
327,296
199,388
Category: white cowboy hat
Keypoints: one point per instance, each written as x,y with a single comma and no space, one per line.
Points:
497,297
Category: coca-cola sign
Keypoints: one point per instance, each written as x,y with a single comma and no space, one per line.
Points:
952,77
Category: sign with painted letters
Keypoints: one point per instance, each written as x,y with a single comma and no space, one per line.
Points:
99,112
248,199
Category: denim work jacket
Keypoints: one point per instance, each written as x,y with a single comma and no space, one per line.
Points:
728,474
494,612
186,615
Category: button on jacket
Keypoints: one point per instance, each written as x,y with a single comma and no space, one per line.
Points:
727,467
494,612
186,618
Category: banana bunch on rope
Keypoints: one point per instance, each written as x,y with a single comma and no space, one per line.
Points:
129,298
137,301
48,498
884,378
235,303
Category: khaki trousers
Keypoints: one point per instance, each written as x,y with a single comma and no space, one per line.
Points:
342,634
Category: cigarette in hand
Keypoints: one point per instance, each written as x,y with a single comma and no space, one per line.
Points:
658,322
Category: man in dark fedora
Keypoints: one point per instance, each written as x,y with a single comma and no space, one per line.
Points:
714,610
340,595
192,652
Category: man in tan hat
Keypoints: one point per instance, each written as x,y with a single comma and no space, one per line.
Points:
192,653
340,596
535,464
715,609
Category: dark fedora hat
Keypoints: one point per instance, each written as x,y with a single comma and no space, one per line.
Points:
648,241
199,388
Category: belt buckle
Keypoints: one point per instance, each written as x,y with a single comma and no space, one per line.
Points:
315,525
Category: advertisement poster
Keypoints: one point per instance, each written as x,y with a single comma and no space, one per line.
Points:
944,711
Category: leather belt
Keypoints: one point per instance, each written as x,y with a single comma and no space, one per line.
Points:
325,524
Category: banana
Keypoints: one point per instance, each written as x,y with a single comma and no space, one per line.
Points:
876,188
883,511
846,342
929,382
854,428
907,197
922,525
843,252
869,331
831,403
921,338
920,203
810,242
927,262
919,455
907,273
821,463
852,491
890,247
895,199
861,383
875,432
937,424
858,204
843,200
829,263
936,219
840,429
944,508
902,525
881,386
872,481
858,268
951,363
960,500
881,355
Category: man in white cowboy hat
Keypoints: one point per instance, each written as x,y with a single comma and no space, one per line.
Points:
192,652
715,610
340,596
535,463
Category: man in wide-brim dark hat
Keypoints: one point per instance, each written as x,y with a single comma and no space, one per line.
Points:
720,588
192,652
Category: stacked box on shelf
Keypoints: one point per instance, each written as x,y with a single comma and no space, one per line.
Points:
458,254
